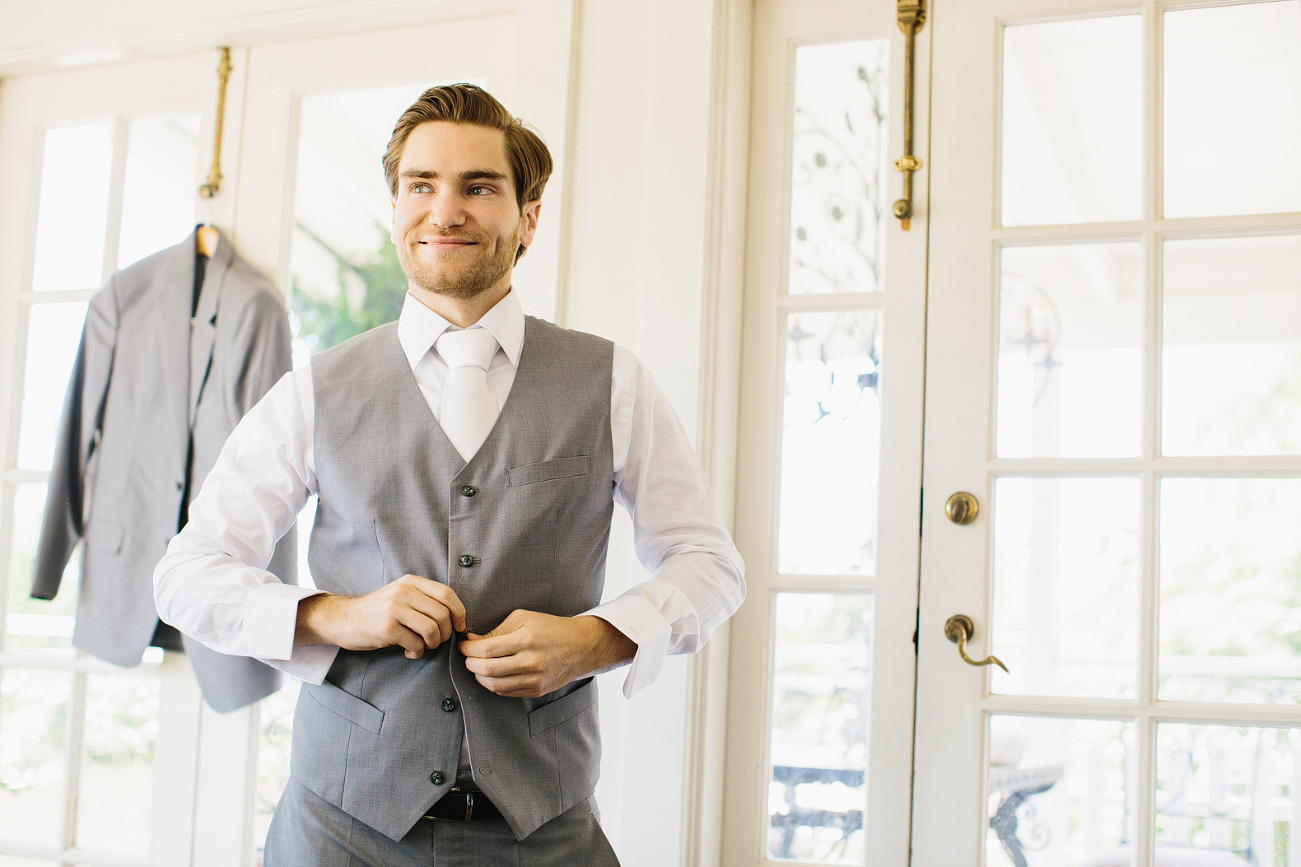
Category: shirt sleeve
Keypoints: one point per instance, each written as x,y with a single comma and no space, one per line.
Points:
213,583
697,574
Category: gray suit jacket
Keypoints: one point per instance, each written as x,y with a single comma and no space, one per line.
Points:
146,375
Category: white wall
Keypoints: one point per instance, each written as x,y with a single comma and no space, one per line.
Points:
637,275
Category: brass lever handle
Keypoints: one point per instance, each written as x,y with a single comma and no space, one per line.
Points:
959,630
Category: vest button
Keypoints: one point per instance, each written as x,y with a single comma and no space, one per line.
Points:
468,490
466,560
449,705
436,778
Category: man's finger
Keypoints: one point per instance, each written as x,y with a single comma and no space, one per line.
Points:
442,594
432,629
515,686
491,646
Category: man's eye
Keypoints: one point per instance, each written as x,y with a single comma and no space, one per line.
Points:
420,188
480,190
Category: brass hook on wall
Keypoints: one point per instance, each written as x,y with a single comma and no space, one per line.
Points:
211,188
911,16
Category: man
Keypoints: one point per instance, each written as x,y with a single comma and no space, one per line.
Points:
466,459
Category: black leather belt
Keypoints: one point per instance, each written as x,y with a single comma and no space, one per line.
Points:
464,805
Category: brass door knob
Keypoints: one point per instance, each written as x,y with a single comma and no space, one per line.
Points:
959,630
962,507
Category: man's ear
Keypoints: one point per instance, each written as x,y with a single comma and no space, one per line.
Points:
528,225
393,224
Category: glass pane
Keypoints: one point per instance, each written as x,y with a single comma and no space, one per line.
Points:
33,715
830,441
53,332
114,804
822,688
35,624
1072,121
1232,96
73,215
1065,616
1231,361
344,270
838,168
277,718
1229,790
1061,793
1069,362
1230,590
160,186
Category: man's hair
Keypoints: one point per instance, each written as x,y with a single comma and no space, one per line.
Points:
529,159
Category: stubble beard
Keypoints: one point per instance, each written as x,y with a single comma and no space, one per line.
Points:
476,278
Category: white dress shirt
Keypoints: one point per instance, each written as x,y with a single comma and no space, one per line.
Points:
213,583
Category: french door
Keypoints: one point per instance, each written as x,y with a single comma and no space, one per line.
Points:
98,765
821,683
1114,372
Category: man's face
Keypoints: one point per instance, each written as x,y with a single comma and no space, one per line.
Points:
456,224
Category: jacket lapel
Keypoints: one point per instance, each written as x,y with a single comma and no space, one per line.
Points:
205,323
172,286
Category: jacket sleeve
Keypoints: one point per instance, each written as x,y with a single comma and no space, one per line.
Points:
266,351
79,427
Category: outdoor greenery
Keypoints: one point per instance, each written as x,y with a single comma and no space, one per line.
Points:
328,322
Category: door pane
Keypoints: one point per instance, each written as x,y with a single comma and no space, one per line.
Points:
160,186
1069,362
1072,129
822,687
33,723
1227,789
1232,96
1231,357
830,443
117,771
1060,792
1065,616
838,168
1230,579
73,215
345,271
35,624
53,332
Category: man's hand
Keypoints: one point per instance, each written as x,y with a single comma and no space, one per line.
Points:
412,612
531,654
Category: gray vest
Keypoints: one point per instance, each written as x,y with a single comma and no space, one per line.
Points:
525,524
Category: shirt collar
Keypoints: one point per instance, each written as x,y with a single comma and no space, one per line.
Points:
419,327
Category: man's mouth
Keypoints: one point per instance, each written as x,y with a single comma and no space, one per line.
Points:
446,242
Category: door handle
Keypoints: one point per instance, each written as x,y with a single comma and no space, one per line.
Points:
959,630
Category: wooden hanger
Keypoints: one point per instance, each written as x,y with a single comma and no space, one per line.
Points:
206,240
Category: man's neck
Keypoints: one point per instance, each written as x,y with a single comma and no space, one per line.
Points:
461,312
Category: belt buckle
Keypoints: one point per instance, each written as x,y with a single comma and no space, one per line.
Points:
469,806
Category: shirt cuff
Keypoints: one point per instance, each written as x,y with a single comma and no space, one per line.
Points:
642,622
270,618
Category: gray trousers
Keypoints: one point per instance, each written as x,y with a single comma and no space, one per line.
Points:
307,831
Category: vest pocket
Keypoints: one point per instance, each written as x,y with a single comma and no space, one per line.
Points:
355,710
545,471
562,709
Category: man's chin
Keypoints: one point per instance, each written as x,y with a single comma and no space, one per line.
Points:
460,288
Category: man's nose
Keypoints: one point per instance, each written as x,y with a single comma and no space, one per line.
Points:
446,210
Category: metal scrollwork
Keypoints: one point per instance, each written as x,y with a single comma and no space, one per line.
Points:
837,202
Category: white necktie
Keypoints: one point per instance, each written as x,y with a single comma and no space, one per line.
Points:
469,406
